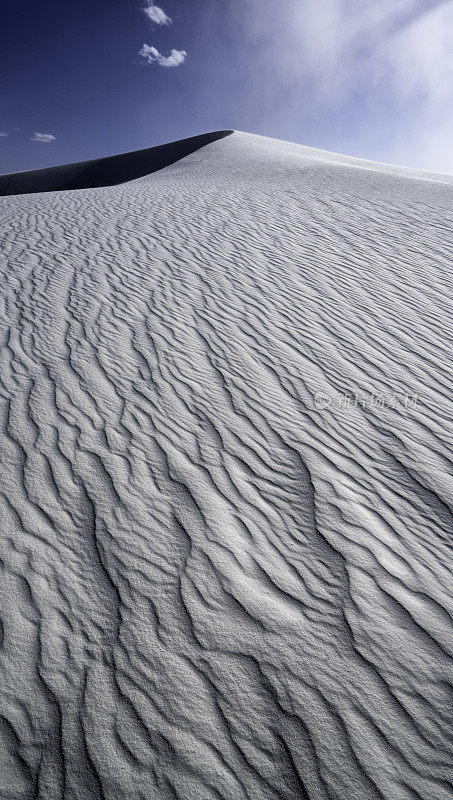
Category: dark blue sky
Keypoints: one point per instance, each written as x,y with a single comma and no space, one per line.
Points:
368,79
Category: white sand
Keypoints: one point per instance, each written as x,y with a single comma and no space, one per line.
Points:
222,576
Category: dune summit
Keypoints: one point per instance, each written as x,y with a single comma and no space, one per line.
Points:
226,487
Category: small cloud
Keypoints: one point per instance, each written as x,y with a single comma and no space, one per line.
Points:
151,54
3,134
42,137
156,14
175,59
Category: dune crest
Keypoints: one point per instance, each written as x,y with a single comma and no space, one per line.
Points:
108,171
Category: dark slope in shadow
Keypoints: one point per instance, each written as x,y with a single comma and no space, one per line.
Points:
107,171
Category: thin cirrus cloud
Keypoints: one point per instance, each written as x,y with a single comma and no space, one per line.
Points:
156,14
42,137
151,55
395,56
3,134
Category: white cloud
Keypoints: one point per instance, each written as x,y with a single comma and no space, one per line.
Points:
42,137
151,55
391,58
156,14
3,134
421,55
338,46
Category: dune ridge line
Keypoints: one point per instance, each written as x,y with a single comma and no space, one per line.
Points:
106,171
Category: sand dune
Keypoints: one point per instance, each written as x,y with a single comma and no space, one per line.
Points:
227,485
108,171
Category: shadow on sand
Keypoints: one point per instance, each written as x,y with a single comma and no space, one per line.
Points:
107,171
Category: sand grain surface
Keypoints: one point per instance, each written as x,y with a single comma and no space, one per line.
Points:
226,488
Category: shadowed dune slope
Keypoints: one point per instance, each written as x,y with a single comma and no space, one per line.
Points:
226,484
108,171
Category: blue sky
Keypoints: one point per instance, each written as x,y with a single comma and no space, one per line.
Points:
371,79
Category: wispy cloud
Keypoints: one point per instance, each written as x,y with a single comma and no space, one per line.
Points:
3,134
42,137
391,59
151,55
421,55
156,14
339,45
